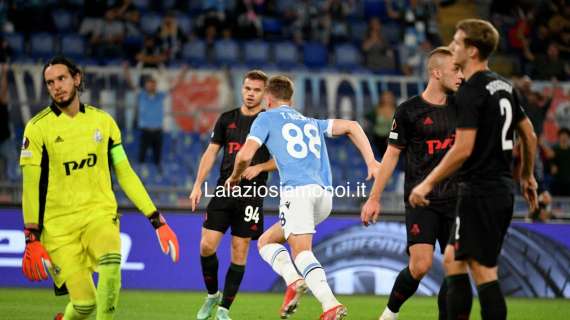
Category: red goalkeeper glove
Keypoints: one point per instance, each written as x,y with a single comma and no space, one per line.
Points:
36,261
166,237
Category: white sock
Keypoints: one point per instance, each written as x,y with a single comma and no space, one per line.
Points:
316,279
388,315
279,259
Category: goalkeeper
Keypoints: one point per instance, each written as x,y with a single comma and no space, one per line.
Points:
70,211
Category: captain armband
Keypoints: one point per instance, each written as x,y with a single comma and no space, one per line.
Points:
118,154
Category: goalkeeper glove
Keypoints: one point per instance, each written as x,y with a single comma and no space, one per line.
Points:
36,261
166,237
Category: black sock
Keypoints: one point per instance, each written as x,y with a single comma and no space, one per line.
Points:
404,287
442,300
459,297
231,287
493,306
210,272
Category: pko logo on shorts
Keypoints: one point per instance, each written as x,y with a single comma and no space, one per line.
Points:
90,161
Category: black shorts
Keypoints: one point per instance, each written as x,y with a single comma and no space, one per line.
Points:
431,223
481,225
244,216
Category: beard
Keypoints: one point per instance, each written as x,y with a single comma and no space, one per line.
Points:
65,103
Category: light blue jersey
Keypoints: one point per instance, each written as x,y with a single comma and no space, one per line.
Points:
297,144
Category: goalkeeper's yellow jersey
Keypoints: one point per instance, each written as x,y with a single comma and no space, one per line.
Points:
73,154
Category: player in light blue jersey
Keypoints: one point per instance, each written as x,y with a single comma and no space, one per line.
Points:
298,146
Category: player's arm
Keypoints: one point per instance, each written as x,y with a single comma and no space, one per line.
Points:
354,131
36,261
371,209
243,159
451,162
136,192
253,171
528,152
204,168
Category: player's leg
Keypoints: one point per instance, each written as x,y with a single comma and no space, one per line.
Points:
271,249
209,261
310,206
421,229
446,221
103,243
234,275
496,213
459,297
216,224
82,295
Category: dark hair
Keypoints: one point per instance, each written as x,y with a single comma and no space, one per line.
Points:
563,130
256,75
281,87
480,34
71,66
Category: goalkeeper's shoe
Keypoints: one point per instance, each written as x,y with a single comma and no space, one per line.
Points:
292,295
58,316
209,305
336,313
223,314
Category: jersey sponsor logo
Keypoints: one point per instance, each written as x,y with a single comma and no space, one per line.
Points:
437,145
58,139
428,121
232,125
90,161
233,147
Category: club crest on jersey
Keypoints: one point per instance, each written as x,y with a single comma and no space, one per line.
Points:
98,137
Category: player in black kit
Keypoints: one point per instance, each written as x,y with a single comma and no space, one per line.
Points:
488,112
243,213
423,130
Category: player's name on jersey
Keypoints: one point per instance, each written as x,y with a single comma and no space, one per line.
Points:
292,116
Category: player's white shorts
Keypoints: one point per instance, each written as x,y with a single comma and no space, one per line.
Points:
302,208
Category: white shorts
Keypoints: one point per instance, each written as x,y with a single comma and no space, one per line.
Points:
302,208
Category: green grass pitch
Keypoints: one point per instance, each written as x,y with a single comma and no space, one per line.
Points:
39,304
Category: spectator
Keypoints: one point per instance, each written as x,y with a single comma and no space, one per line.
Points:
380,120
150,114
559,157
5,51
170,36
377,54
107,38
536,104
151,55
7,150
413,57
335,20
550,65
249,19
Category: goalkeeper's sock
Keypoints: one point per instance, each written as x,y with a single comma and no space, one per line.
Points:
459,296
231,286
404,287
279,259
492,301
442,300
79,310
316,279
210,272
109,285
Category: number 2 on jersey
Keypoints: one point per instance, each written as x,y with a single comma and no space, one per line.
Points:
296,146
507,111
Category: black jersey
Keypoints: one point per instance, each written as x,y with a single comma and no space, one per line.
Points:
230,132
424,132
489,103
